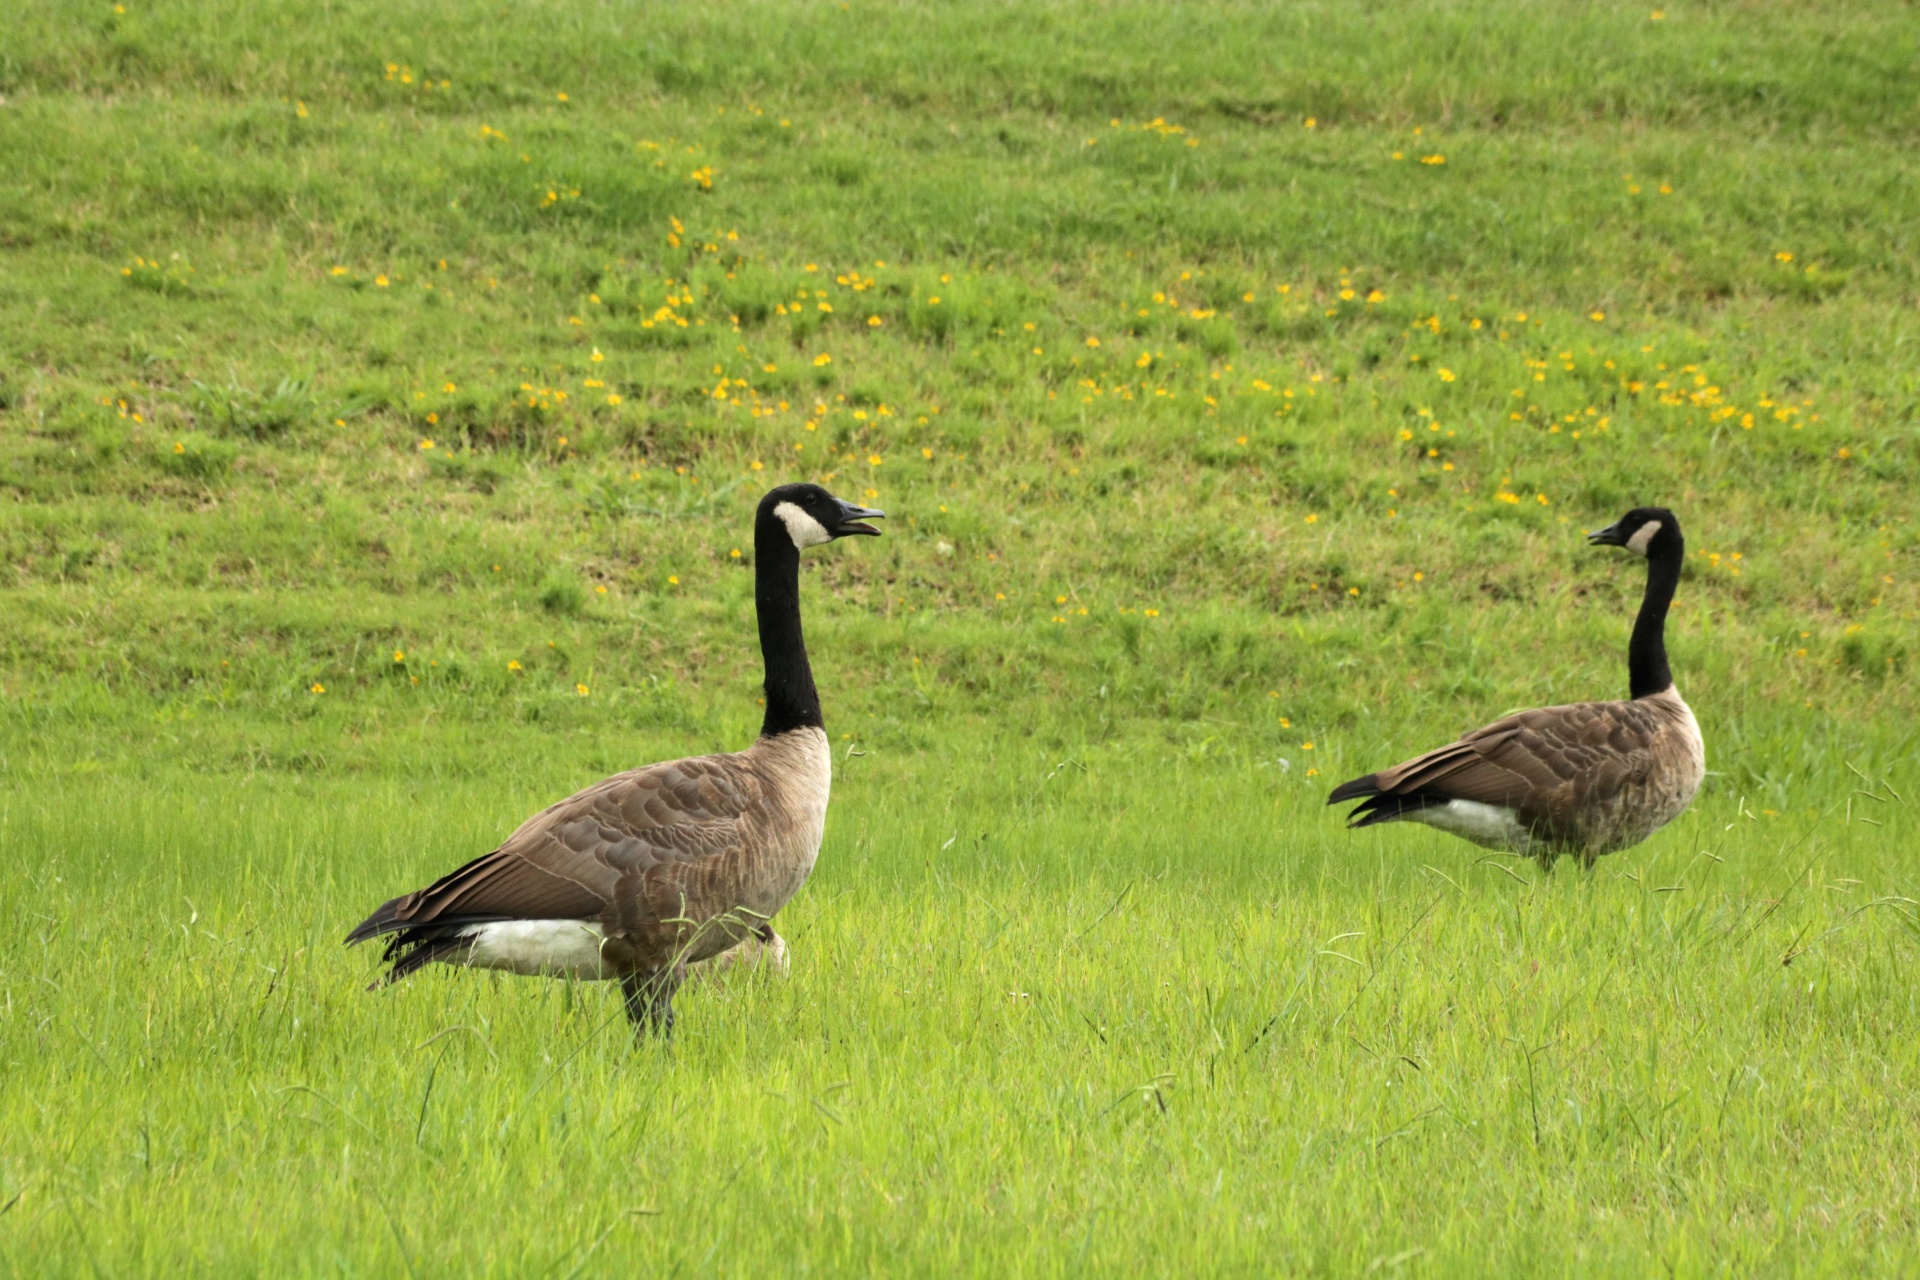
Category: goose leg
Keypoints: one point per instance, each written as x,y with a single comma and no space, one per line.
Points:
650,1001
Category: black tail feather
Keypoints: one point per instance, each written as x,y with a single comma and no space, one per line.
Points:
385,920
411,946
416,948
1380,808
1354,790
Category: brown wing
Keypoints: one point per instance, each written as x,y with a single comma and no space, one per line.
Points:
1542,764
618,852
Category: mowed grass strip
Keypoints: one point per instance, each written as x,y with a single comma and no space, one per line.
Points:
384,391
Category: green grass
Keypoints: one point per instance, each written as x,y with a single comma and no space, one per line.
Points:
1088,979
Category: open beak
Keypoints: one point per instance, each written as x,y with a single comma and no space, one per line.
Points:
853,518
1607,537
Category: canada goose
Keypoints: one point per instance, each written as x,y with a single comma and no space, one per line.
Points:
668,865
1585,779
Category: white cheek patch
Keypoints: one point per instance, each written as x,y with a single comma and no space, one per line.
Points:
1642,536
801,527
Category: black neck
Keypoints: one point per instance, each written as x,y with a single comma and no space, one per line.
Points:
792,701
1647,652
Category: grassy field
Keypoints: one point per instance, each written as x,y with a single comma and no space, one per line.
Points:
384,392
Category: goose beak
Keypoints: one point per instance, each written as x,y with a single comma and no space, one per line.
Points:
1607,537
852,520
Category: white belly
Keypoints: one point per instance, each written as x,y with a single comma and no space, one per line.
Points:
538,948
1490,826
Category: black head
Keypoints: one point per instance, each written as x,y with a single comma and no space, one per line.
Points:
810,515
1645,531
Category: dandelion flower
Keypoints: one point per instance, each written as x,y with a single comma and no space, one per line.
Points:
399,655
580,689
822,359
317,688
735,553
1448,375
513,664
672,580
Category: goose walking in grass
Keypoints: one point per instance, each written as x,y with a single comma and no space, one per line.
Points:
661,867
1586,779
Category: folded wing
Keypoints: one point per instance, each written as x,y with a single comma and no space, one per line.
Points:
638,854
1542,765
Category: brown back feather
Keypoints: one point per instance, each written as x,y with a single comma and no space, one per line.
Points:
589,856
1544,764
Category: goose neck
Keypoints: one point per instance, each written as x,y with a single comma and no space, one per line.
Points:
792,701
1647,668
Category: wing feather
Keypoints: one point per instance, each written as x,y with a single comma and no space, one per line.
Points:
586,856
1542,764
